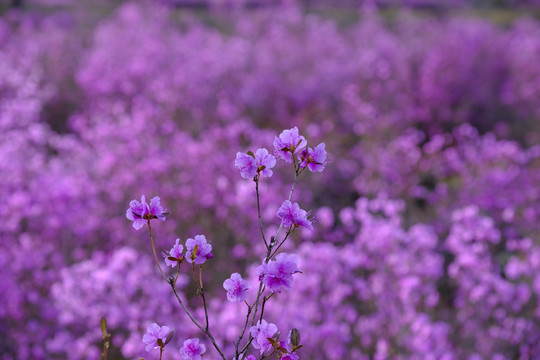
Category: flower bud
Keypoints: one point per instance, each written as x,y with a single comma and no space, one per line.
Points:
295,337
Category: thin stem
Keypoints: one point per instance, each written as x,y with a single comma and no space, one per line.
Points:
160,352
243,331
256,179
154,250
281,243
206,331
269,254
265,299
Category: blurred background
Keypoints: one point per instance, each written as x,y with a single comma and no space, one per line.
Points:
426,244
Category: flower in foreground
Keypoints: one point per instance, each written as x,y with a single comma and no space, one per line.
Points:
236,288
140,212
175,252
288,143
261,333
251,164
192,349
203,250
292,215
278,274
314,159
292,356
153,333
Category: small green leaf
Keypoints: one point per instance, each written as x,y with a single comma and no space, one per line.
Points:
250,153
103,326
295,337
172,258
194,252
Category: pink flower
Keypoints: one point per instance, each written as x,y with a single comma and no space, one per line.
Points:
203,249
175,252
278,274
236,288
314,159
140,212
192,349
288,143
261,333
153,333
292,215
261,162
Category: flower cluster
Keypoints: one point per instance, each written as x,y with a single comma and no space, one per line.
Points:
260,333
278,274
251,164
140,212
421,138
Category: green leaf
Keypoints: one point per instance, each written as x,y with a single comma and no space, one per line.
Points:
103,326
250,153
194,252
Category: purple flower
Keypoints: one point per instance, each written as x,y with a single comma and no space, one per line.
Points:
236,288
291,215
250,166
288,143
140,212
192,349
278,274
292,356
153,333
261,333
175,252
203,249
314,159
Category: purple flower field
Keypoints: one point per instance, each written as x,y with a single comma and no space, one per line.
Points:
421,151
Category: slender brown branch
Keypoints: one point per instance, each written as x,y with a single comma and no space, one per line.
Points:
154,250
256,179
243,332
206,331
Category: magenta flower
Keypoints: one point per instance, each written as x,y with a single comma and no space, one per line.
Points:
236,288
261,333
314,159
288,143
278,274
250,166
292,215
192,349
175,252
203,250
292,356
153,333
140,212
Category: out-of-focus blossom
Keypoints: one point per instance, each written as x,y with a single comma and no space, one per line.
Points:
192,349
153,333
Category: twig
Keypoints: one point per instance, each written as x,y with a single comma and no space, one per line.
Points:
206,331
154,250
